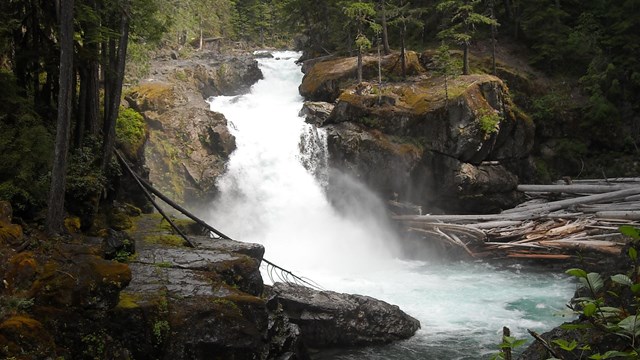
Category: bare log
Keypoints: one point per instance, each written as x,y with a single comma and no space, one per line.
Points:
573,188
606,247
563,204
540,256
626,215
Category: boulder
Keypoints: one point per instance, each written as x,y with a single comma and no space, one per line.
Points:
186,303
316,112
21,334
324,81
330,319
463,149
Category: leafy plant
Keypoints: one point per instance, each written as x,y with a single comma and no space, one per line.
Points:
489,121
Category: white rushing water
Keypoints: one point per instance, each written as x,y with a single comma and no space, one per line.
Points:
268,197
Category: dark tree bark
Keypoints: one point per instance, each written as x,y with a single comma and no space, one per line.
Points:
493,40
359,65
119,59
403,61
465,58
385,32
55,211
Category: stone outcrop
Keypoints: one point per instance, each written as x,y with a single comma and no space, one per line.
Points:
324,81
459,149
187,145
330,319
185,303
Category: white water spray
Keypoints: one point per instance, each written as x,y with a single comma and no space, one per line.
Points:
268,197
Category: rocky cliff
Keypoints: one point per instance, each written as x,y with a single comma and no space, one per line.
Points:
187,145
462,147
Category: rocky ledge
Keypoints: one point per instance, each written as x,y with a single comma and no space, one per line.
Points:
459,148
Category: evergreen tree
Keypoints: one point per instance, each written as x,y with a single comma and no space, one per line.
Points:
462,19
361,16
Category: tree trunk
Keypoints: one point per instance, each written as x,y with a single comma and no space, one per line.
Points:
359,65
385,32
81,111
55,211
493,42
402,50
118,78
465,59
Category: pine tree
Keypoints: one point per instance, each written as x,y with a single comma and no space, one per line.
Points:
462,19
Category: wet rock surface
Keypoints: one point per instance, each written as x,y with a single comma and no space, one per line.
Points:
459,149
330,319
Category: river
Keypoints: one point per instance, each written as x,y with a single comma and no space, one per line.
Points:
343,242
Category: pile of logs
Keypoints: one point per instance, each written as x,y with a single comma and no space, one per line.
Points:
556,222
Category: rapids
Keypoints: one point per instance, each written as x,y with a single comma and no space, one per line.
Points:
274,194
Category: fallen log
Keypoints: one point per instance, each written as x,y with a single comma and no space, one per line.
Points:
624,215
540,256
573,188
563,204
606,247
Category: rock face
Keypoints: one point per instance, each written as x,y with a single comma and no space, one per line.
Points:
185,303
461,149
188,145
330,319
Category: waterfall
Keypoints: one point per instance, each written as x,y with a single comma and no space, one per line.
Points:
273,193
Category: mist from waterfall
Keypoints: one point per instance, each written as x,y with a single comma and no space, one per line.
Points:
274,194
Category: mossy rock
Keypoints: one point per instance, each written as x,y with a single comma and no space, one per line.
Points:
120,221
72,224
154,96
10,234
325,80
22,270
22,337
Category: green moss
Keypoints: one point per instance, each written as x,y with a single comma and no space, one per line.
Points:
120,221
164,239
164,264
130,131
128,300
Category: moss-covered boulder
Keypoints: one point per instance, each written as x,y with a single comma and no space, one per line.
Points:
461,148
22,337
324,81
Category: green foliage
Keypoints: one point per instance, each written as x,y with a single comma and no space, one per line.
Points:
462,17
84,177
26,146
160,330
508,343
138,61
130,131
489,120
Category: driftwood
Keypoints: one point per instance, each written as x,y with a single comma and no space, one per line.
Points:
587,218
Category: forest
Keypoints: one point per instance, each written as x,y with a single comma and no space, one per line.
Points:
63,65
